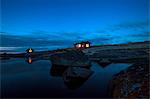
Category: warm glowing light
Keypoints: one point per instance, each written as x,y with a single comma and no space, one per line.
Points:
82,45
30,50
79,45
30,60
87,45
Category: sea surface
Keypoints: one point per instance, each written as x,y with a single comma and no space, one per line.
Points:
19,78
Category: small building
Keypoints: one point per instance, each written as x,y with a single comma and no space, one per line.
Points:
82,45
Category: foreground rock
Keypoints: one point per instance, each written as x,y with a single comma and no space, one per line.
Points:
74,58
74,77
103,62
77,72
132,82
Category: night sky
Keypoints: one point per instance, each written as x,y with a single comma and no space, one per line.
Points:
52,24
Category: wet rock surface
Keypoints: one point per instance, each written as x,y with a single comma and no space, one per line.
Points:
77,72
104,62
74,77
74,58
132,82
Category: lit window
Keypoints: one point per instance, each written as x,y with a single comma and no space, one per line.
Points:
87,45
79,45
82,45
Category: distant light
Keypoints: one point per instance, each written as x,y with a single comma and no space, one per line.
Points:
30,50
79,45
82,45
87,45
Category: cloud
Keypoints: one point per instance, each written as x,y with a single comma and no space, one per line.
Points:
17,41
56,35
100,40
9,48
142,34
121,33
132,25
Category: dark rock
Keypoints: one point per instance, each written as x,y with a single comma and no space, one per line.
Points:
74,58
74,77
104,62
132,82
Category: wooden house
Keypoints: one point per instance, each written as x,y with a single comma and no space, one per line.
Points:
82,45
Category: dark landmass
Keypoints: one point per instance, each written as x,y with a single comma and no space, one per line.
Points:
130,83
125,53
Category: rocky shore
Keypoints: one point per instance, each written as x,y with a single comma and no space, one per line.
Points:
121,53
132,82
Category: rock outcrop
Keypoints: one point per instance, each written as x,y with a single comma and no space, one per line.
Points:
74,77
103,62
132,82
74,58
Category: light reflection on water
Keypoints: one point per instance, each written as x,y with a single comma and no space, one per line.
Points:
21,79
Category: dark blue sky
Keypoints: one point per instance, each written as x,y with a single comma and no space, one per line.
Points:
100,21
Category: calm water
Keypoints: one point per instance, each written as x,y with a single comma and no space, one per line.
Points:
21,79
